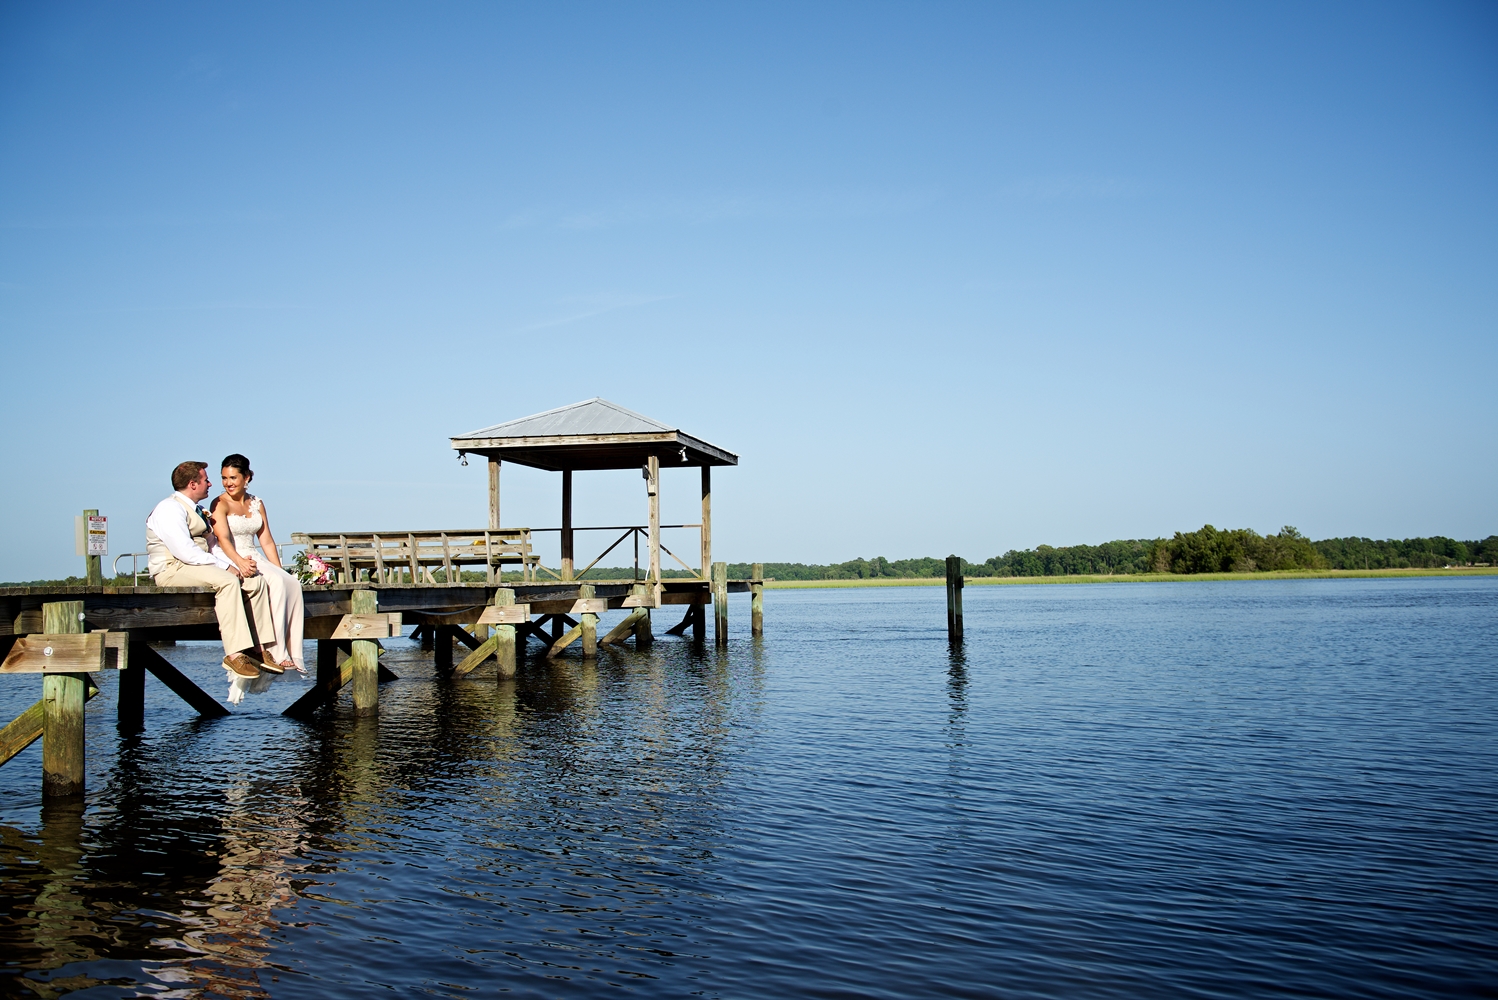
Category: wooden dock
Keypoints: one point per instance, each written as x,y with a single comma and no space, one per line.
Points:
388,583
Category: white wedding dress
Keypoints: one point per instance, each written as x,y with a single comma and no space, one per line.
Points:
285,593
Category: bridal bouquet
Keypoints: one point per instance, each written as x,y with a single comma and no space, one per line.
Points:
311,569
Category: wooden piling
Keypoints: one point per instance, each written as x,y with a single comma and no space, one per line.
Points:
699,622
589,624
504,637
954,597
442,648
720,603
757,599
93,571
63,696
131,708
365,658
643,634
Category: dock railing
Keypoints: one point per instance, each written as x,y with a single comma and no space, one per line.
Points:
640,532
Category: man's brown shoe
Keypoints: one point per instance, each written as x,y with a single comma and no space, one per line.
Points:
267,665
241,665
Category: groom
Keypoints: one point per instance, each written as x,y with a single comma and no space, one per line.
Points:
178,542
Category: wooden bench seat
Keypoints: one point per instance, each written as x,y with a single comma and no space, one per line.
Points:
414,556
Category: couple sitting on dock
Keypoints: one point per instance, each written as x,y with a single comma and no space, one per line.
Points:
189,546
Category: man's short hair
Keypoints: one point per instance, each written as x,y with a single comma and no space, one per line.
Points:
186,474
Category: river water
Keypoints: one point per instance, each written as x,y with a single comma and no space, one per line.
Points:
1259,788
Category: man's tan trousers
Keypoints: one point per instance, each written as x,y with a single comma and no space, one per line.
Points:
232,625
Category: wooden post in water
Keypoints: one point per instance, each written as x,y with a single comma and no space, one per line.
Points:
504,637
131,695
567,557
707,519
589,624
757,599
63,696
366,657
93,566
720,604
954,597
643,635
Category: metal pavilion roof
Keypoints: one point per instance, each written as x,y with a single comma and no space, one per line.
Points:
592,434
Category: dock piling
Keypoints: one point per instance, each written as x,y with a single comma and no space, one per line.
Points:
720,603
130,710
63,696
366,657
757,599
504,636
954,598
643,634
589,623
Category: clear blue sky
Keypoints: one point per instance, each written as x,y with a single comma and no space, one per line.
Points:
948,277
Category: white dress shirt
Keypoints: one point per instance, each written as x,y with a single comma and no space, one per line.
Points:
169,521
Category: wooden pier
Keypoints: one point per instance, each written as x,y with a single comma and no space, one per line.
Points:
389,582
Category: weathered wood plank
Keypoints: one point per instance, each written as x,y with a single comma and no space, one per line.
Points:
62,653
26,728
624,629
384,625
499,614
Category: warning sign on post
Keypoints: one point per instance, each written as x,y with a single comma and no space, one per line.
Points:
98,535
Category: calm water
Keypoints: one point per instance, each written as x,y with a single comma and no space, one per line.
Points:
1197,790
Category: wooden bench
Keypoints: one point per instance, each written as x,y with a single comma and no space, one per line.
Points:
394,557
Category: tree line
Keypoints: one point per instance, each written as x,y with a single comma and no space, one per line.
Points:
1207,550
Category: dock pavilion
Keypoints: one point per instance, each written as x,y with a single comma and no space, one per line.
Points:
592,435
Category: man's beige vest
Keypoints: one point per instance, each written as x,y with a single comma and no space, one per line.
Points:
160,557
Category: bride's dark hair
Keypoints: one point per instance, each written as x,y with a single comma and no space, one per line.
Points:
238,462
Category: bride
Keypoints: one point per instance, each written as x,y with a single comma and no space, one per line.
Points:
239,521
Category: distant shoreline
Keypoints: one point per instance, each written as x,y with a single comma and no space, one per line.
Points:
999,581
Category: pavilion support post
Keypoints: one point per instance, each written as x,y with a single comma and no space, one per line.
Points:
720,604
63,696
494,493
567,557
643,635
504,638
589,624
954,597
366,657
707,519
131,710
757,599
653,494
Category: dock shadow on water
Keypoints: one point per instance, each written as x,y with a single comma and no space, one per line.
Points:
1198,790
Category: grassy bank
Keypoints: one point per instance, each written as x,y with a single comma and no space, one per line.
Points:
1004,581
